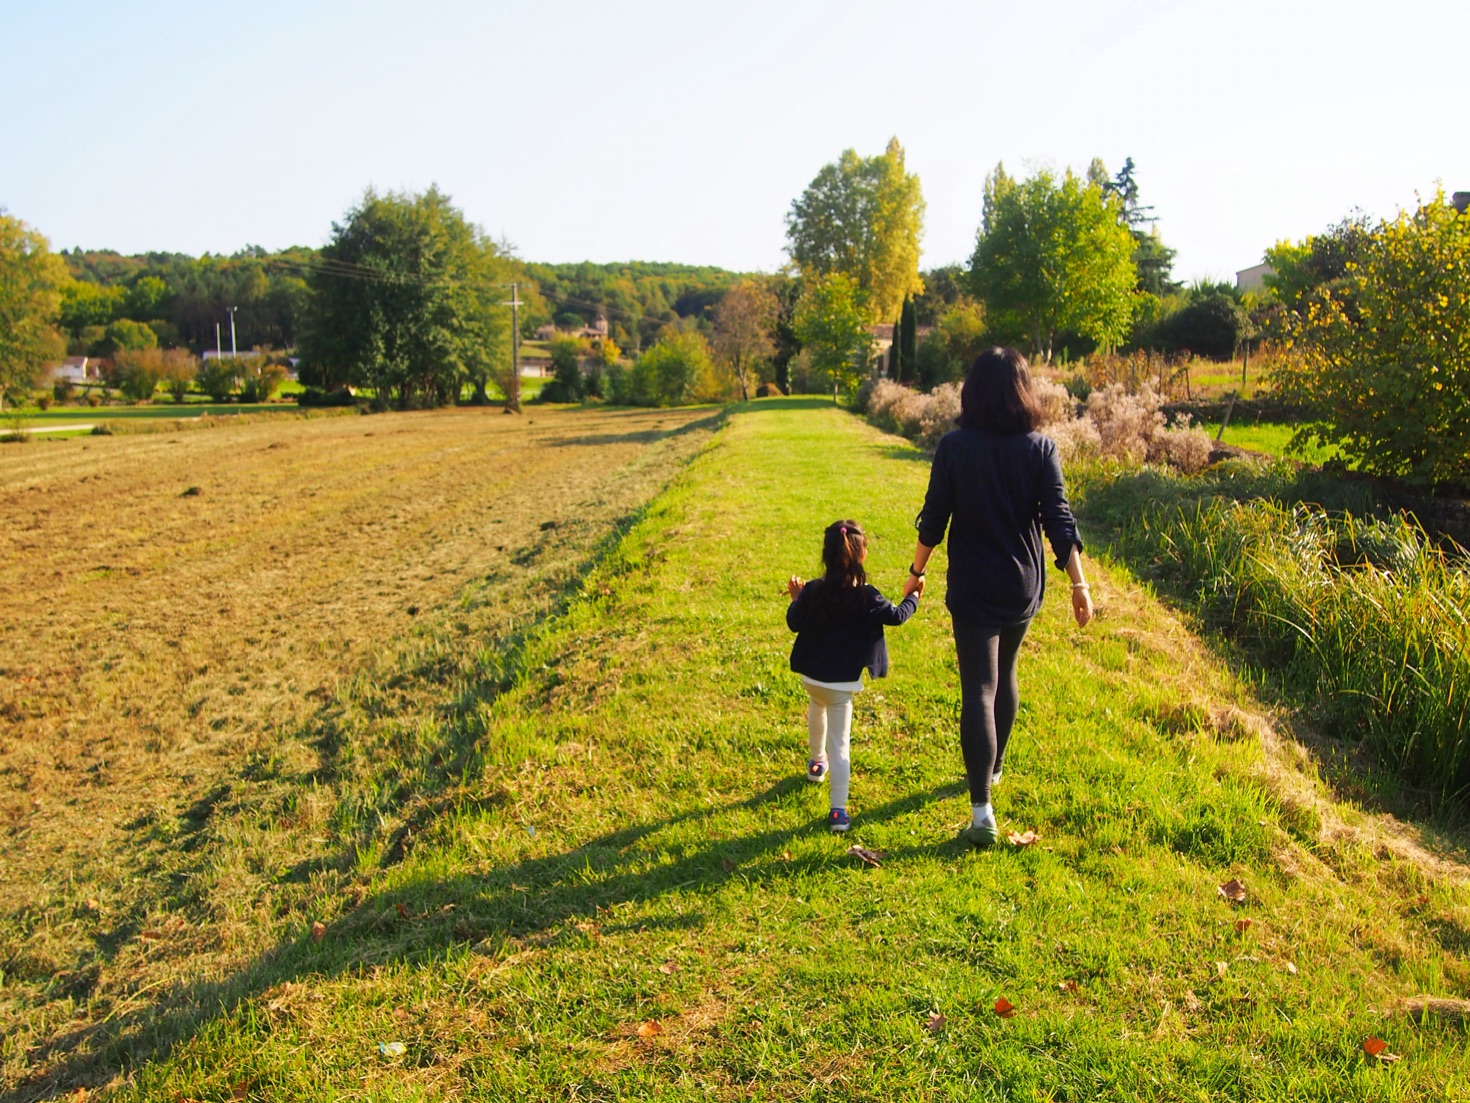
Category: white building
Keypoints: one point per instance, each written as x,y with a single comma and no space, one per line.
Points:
75,369
1253,278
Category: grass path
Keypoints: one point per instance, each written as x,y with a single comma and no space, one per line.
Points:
631,896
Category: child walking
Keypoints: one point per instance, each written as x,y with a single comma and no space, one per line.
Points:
838,620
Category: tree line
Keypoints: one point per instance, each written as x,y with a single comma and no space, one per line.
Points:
407,300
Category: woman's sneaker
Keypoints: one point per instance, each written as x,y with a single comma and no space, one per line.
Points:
838,820
982,835
816,772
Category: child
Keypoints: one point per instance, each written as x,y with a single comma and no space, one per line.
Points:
838,620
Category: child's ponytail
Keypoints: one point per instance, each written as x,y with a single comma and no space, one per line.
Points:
842,555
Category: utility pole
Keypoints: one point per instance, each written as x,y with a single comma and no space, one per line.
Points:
233,353
513,389
218,352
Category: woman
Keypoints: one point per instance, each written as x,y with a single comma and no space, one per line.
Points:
996,484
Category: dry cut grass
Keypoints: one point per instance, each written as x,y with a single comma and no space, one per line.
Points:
183,616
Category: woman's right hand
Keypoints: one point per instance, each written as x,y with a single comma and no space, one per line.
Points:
1082,605
793,587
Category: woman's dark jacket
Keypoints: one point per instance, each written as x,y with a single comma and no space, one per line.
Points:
1001,491
836,639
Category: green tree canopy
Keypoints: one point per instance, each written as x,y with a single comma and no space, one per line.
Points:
406,300
833,328
862,217
31,277
1385,363
1053,256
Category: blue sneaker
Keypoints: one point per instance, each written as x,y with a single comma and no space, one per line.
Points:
816,772
838,820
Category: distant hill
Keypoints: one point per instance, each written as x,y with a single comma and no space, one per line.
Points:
638,297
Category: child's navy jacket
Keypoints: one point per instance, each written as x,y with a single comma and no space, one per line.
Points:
835,643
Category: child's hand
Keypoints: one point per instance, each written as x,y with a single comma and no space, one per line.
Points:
793,587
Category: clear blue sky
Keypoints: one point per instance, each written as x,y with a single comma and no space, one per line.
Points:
683,130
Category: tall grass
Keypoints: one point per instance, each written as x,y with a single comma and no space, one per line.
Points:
1366,617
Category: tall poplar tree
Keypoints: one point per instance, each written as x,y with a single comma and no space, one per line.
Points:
862,217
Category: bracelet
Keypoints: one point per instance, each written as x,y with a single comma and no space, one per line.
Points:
1081,586
916,574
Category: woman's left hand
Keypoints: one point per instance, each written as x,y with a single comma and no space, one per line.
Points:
1082,605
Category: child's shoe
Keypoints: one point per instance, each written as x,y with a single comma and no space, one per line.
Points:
816,771
838,820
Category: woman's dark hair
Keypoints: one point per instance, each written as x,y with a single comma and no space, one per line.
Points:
842,555
997,394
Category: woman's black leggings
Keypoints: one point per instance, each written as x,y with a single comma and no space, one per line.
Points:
989,698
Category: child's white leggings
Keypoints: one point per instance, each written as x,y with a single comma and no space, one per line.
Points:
829,730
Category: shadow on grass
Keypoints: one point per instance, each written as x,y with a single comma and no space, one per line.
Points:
529,900
642,436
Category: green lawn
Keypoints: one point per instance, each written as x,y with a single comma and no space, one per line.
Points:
1271,438
622,889
60,415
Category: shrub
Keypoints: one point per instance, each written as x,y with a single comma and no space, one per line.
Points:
219,377
939,414
1186,448
44,401
63,390
1386,365
138,372
1126,423
1075,439
672,371
260,379
768,390
1056,401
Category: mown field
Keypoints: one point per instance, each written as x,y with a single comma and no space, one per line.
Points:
183,615
492,857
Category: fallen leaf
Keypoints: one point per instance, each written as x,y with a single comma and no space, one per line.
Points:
240,1091
651,1029
1220,968
1377,1048
401,909
150,935
1004,1008
1244,923
869,857
1068,986
1017,838
668,968
786,855
935,1023
92,905
1233,890
729,865
1291,967
318,931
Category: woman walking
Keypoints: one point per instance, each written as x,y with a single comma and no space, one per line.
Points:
996,484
